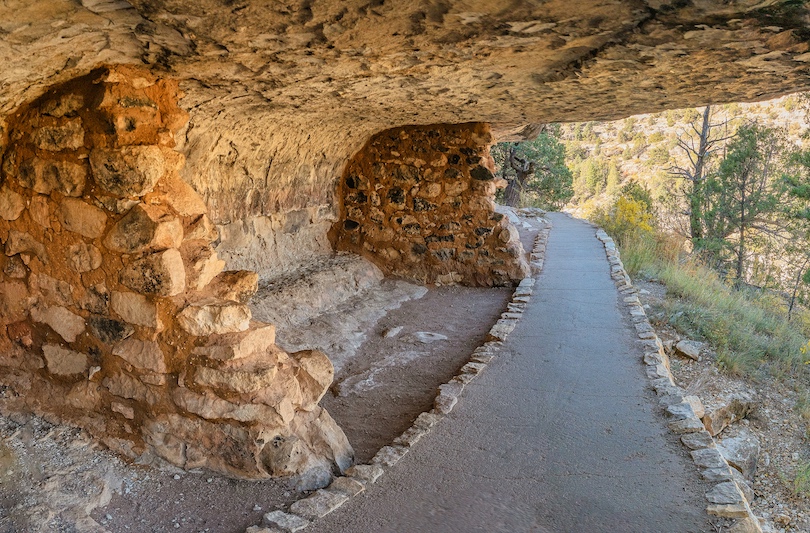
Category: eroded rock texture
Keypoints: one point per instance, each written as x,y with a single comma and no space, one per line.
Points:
116,313
419,202
282,94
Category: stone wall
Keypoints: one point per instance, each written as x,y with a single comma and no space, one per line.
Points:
419,202
115,311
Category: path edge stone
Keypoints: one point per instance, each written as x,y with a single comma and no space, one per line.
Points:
723,500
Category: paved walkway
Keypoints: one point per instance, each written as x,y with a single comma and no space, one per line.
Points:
558,435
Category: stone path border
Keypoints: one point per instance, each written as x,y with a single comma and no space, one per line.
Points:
323,501
725,498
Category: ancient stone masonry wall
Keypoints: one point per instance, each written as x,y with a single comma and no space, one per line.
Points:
115,311
419,202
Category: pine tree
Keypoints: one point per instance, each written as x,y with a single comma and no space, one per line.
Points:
745,193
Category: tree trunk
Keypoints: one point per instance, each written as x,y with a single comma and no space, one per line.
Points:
796,284
696,197
741,248
523,170
511,196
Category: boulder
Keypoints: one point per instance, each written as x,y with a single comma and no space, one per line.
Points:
742,452
161,273
690,349
127,171
145,228
727,409
214,317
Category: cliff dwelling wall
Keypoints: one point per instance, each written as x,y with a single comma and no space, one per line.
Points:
420,203
239,134
116,312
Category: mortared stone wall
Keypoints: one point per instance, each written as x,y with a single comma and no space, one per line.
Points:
419,202
116,313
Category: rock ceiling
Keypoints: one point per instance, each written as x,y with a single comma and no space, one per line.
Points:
282,93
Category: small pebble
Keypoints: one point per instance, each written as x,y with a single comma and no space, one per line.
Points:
257,507
177,476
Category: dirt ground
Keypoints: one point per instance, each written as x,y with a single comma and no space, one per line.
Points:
776,421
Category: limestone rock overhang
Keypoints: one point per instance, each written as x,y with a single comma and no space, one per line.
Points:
281,94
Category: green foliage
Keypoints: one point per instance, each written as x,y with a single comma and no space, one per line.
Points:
746,327
655,137
629,216
551,185
743,195
801,481
613,180
659,156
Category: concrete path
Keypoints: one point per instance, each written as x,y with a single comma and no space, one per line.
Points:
559,434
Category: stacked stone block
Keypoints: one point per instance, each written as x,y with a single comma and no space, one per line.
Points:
418,201
116,313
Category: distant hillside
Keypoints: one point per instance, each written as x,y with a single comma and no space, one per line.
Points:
604,156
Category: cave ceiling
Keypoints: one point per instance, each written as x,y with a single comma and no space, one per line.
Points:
280,94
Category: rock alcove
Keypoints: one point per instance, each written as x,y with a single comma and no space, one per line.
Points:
149,145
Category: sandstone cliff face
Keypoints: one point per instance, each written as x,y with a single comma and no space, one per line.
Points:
281,95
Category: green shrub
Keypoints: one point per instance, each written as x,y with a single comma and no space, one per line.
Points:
747,328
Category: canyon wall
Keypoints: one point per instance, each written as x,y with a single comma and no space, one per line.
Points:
281,95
